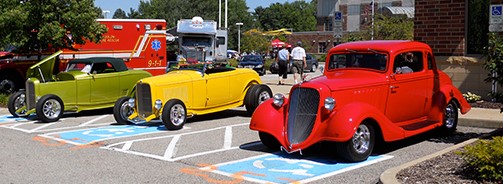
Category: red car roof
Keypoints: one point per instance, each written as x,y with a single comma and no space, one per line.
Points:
380,45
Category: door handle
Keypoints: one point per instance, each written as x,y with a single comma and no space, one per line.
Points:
393,87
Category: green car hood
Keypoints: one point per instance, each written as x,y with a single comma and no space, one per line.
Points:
43,69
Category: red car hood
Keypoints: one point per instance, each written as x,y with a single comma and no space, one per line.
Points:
350,79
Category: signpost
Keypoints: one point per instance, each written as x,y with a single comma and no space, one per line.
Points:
496,18
337,26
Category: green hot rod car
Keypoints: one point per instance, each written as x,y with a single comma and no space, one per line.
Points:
86,84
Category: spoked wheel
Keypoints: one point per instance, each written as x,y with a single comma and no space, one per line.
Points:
49,108
256,95
122,111
174,114
17,101
359,147
450,118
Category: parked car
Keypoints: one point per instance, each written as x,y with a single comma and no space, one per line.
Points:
311,61
255,62
369,91
191,90
86,84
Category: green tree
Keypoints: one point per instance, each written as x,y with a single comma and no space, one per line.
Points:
254,42
32,24
298,16
119,14
133,14
385,28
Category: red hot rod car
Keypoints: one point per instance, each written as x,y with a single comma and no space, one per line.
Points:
369,90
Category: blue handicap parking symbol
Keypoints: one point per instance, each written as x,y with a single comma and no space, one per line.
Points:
284,168
86,136
10,118
338,15
496,10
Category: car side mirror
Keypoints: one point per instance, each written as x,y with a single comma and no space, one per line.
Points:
398,70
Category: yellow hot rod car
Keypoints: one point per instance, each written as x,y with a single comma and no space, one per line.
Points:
191,90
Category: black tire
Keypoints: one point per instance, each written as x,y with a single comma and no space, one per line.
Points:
255,95
49,108
122,111
10,82
360,146
313,67
174,114
450,118
274,68
16,101
269,141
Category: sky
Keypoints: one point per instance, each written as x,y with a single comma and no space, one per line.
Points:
112,5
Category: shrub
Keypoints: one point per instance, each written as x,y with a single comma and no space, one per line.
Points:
3,99
486,158
471,97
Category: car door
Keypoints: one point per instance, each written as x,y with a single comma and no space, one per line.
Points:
105,86
218,88
407,94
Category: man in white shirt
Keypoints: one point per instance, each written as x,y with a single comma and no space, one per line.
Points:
299,61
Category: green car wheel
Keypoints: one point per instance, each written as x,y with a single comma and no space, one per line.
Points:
49,108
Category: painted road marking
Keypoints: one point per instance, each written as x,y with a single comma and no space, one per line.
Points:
44,127
91,135
169,152
10,118
283,168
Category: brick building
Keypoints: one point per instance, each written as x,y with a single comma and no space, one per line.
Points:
457,32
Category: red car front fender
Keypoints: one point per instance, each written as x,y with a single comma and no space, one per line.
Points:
270,119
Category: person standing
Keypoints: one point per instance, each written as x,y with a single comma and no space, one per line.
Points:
282,60
299,61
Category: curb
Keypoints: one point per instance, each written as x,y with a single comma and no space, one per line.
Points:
389,175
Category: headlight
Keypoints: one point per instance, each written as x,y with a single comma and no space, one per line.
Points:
130,102
259,66
158,104
279,99
329,103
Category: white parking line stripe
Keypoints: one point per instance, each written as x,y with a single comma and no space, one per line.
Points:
168,154
41,127
168,136
213,151
93,120
127,145
228,137
66,128
15,127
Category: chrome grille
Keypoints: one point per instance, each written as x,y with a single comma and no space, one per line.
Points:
144,99
30,95
302,113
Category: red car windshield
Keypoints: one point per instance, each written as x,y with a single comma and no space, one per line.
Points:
375,61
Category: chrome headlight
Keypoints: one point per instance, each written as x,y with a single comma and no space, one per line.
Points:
259,66
130,102
158,104
329,103
279,99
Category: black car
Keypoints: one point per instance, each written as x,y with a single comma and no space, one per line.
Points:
312,65
255,62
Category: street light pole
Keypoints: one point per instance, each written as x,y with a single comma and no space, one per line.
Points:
239,24
106,13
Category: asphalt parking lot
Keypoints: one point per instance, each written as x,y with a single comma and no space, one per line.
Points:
215,148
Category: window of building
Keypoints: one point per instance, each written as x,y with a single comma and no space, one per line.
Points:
328,25
477,26
354,9
322,47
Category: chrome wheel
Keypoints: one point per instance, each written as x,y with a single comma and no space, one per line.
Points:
177,114
18,103
451,113
51,108
264,95
126,111
361,139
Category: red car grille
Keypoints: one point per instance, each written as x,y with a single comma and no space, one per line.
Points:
302,113
144,99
